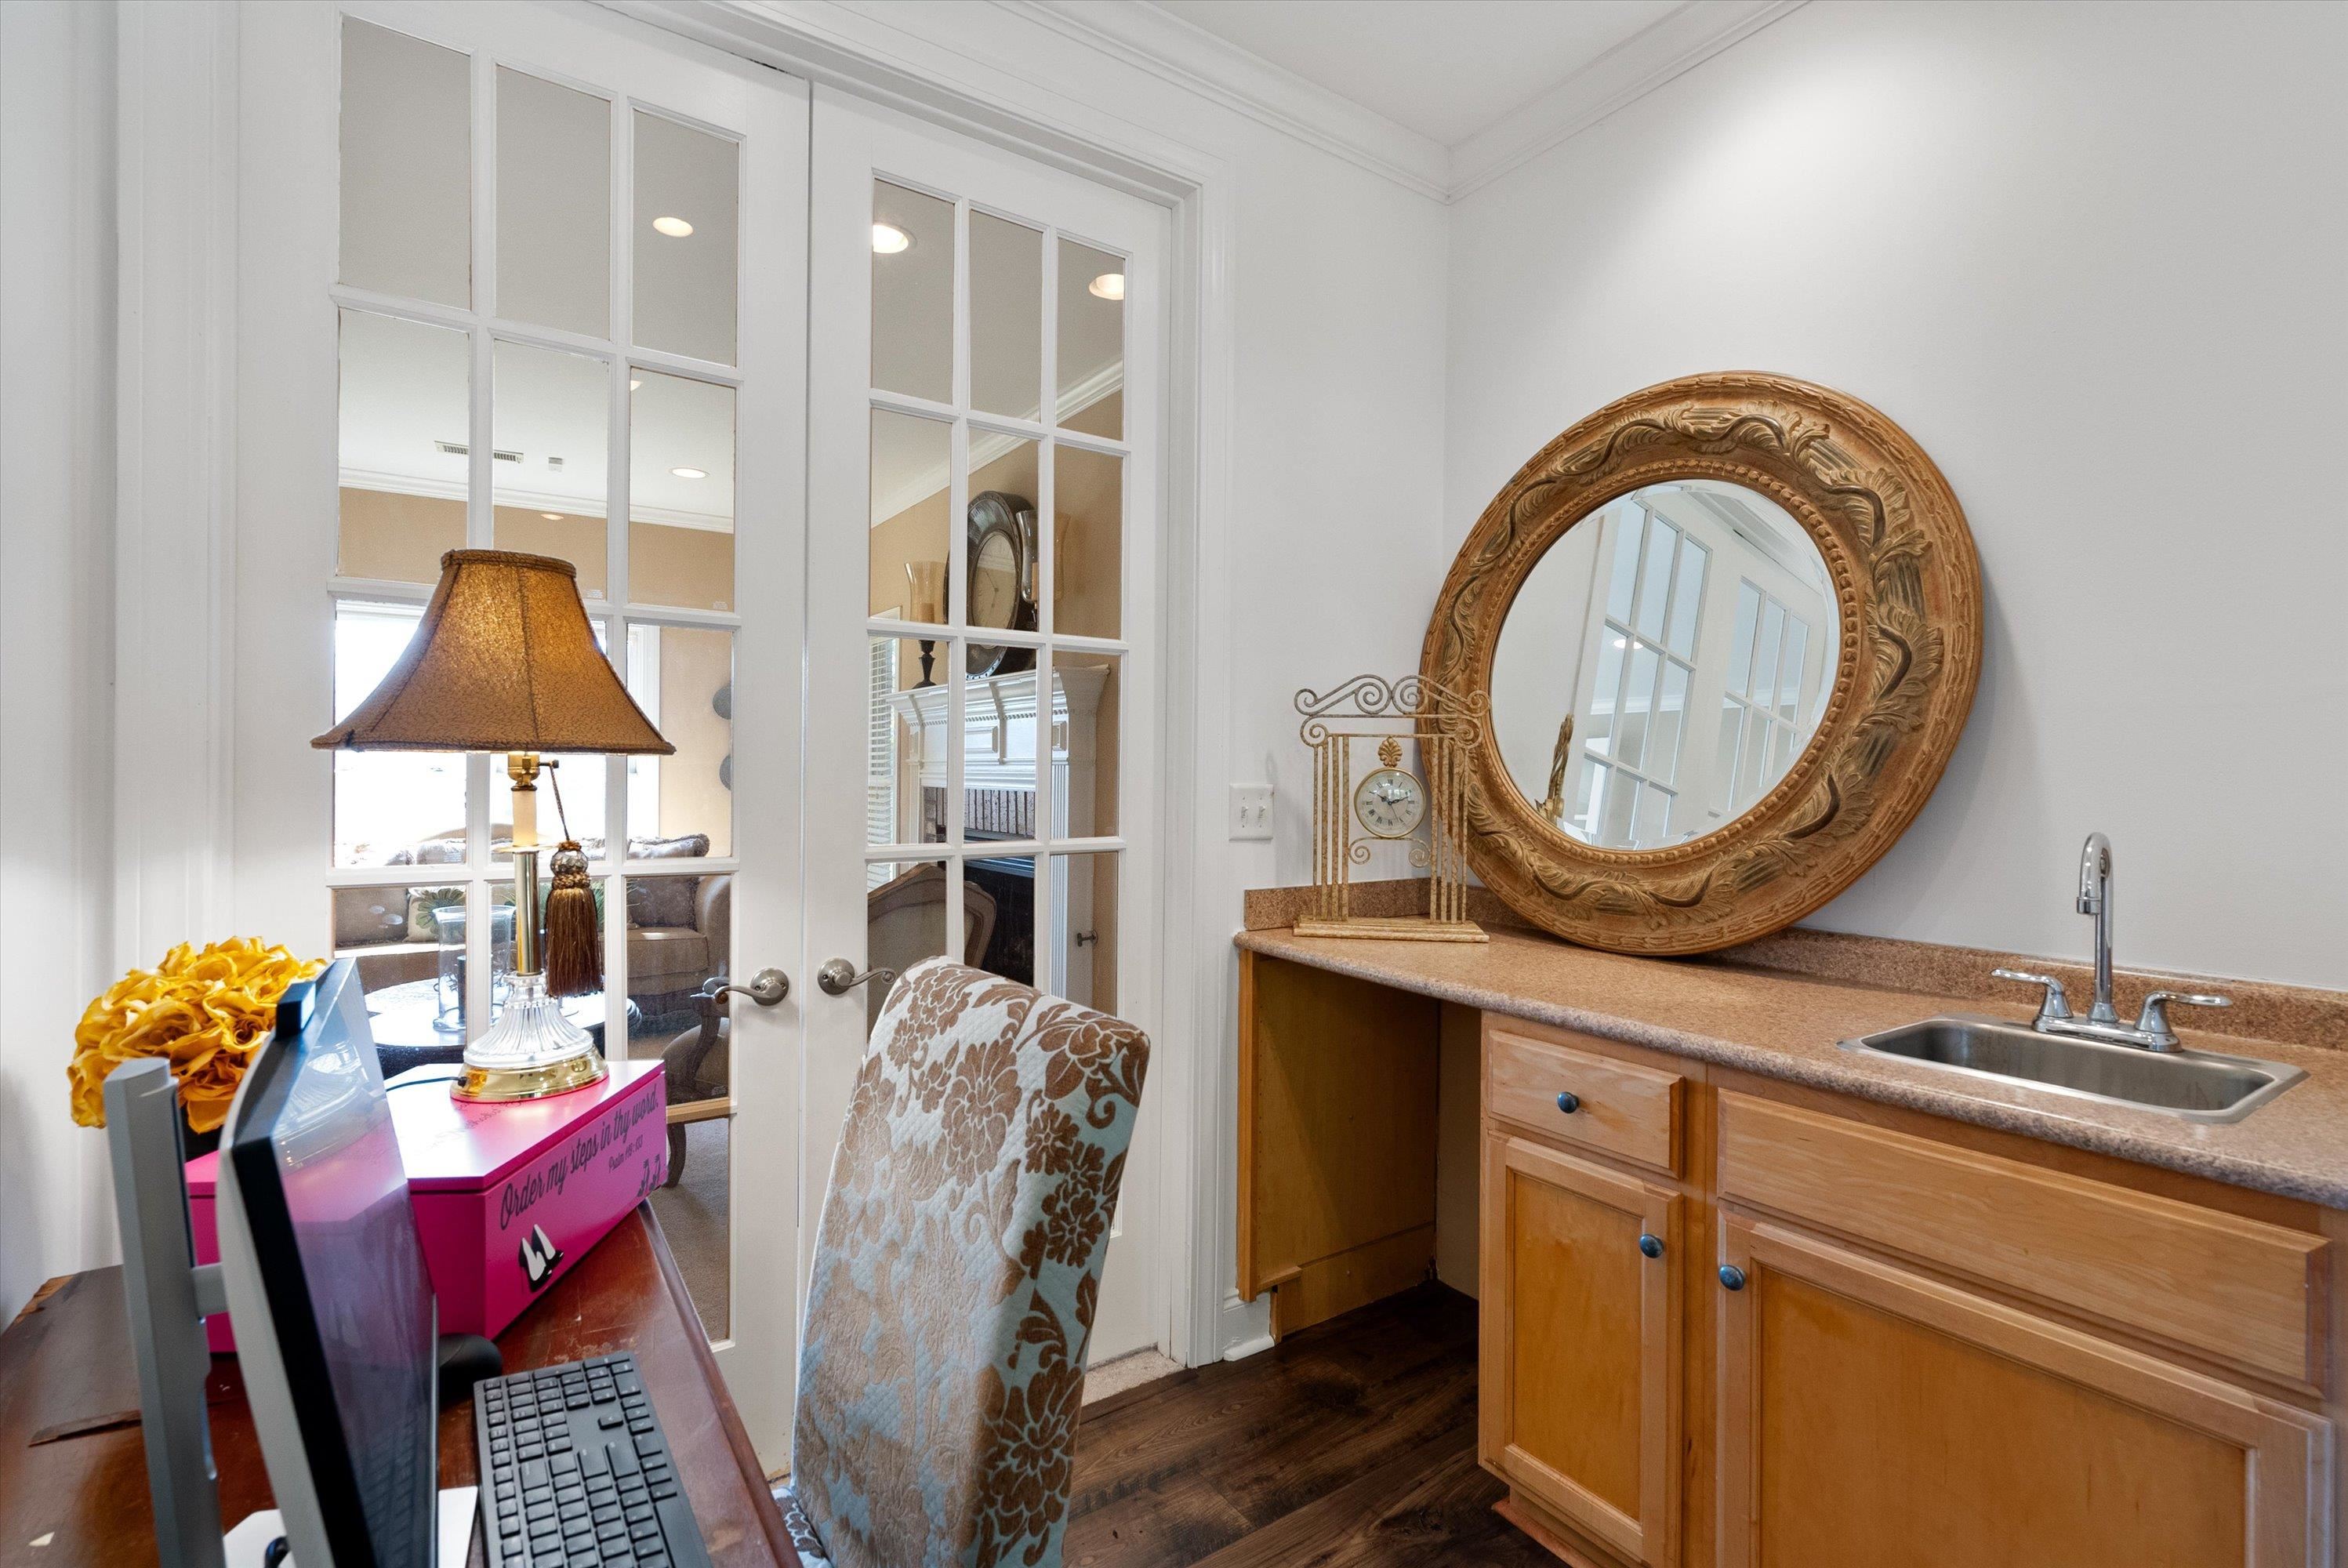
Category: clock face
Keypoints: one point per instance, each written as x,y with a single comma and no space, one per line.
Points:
1390,802
994,582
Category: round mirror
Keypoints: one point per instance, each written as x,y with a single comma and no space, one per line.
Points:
1666,660
1712,646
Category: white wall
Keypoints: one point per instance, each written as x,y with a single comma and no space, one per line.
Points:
57,456
2092,258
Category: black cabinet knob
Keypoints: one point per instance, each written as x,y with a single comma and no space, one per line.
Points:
1652,1245
1568,1101
1731,1276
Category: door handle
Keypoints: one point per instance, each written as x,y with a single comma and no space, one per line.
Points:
766,988
839,976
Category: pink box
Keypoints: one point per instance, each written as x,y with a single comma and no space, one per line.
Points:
507,1197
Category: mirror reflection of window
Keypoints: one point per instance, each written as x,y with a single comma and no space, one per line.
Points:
1682,599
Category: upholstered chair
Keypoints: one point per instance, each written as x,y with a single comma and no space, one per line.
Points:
956,1270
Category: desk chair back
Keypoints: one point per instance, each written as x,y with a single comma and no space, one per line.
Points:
956,1270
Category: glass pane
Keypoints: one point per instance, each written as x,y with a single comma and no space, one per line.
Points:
684,238
547,480
1085,698
1625,522
912,463
1687,596
1596,727
695,1208
683,677
998,749
1656,578
1006,317
1764,651
1621,796
1088,543
1740,649
905,922
408,188
1723,764
1752,776
1083,941
680,492
1580,819
589,1011
406,419
1789,669
1653,816
410,946
906,752
391,807
554,205
1638,702
1002,544
678,930
1781,752
913,293
1663,739
998,900
1092,341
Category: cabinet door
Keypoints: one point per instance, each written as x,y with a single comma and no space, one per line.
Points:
1579,1391
1871,1415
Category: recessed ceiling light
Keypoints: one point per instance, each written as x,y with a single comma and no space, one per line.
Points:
1108,285
888,240
674,228
551,516
690,473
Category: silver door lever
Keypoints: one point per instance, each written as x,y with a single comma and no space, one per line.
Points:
837,977
766,988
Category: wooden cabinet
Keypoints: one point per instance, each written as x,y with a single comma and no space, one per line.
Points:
1870,1415
1579,1391
1947,1347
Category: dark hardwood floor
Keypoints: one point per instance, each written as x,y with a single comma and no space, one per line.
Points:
1351,1445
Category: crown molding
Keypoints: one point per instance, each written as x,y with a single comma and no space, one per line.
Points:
1678,42
1176,51
1173,50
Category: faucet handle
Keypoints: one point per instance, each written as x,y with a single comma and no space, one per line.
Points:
2154,1020
2057,1004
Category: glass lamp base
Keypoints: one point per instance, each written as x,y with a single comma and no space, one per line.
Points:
531,1052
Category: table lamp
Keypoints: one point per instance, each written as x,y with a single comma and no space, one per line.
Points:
506,661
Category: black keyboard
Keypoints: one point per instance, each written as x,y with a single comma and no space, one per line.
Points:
575,1471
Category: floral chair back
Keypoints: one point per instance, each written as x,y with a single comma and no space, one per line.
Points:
957,1266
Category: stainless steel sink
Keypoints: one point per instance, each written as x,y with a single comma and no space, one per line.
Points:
2200,1086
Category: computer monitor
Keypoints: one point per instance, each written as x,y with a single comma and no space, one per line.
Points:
335,1322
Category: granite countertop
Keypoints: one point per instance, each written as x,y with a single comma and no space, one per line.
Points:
1785,1025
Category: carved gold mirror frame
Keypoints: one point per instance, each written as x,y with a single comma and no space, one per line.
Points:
1908,587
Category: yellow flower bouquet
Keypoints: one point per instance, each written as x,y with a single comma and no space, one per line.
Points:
206,1010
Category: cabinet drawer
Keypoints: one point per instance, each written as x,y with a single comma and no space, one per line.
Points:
2237,1290
1618,1108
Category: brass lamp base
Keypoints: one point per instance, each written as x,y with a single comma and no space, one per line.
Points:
530,1083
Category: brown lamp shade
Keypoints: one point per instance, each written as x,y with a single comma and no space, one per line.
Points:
505,661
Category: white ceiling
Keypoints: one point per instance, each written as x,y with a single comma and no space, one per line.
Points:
1446,71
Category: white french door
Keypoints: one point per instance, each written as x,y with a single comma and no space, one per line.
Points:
984,346
532,277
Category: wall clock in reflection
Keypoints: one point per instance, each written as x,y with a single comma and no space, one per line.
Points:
1001,548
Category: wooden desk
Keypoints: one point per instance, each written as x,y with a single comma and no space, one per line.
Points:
73,1466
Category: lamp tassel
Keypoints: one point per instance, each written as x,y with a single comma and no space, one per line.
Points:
574,938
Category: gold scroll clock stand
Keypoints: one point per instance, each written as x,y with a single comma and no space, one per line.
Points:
1365,794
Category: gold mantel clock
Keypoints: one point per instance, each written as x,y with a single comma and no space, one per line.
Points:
1365,795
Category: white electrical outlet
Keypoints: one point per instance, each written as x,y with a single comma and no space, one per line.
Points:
1250,811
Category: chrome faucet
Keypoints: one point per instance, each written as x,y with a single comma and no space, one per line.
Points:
2096,899
2151,1029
